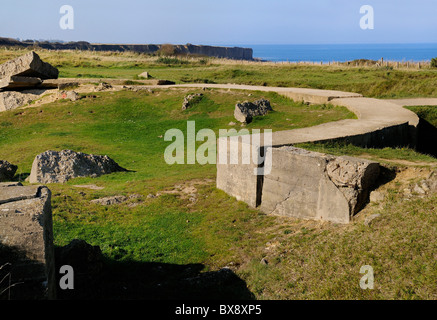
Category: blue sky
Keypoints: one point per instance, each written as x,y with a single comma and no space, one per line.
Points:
222,22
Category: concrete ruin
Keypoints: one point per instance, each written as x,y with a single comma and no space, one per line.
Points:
246,111
26,241
29,65
28,79
304,184
311,185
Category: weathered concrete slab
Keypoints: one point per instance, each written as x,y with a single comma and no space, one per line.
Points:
311,185
61,83
315,96
238,179
28,65
18,193
10,100
17,82
26,241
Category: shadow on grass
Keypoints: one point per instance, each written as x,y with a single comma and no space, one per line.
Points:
97,277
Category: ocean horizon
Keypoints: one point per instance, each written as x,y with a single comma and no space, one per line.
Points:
344,52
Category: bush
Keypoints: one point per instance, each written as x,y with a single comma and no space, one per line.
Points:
434,63
167,50
171,61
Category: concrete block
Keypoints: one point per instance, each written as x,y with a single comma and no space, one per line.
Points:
16,82
28,65
311,185
26,241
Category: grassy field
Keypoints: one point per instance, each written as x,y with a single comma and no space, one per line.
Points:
369,81
305,259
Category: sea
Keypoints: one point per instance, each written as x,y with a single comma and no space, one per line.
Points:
344,52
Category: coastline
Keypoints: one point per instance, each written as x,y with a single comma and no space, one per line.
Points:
420,52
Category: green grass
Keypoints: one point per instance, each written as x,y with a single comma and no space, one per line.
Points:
129,128
392,154
306,259
369,81
428,113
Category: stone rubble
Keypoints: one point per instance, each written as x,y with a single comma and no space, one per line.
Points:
244,112
59,167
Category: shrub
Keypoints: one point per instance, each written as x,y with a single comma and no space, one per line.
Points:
167,50
434,63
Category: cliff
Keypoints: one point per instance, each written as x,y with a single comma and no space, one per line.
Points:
235,53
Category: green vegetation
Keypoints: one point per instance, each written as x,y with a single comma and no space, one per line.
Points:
388,154
306,259
377,82
434,63
428,113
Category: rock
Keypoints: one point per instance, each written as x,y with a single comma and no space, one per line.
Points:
264,261
103,86
407,191
71,95
26,241
369,219
418,190
10,100
144,75
59,167
7,171
138,89
190,100
107,201
244,112
17,82
28,65
376,196
231,123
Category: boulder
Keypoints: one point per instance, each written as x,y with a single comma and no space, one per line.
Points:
28,65
107,201
190,100
70,95
244,112
10,100
59,167
103,86
7,171
144,75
